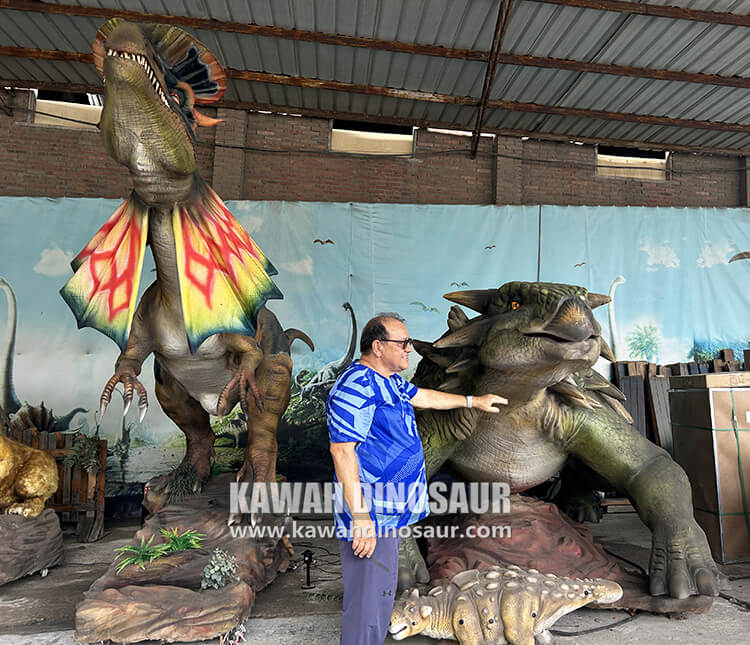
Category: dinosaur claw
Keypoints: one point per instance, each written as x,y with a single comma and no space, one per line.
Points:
142,409
102,409
127,407
234,518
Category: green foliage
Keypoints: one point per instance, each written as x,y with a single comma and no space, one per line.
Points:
140,554
84,455
217,469
220,570
177,541
221,424
706,350
304,411
644,341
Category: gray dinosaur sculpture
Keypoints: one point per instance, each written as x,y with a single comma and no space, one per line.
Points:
502,604
322,382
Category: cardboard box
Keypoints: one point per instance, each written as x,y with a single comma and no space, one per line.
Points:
711,436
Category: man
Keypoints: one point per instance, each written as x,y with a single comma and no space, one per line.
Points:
374,440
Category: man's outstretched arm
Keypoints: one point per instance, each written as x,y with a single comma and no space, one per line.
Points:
435,400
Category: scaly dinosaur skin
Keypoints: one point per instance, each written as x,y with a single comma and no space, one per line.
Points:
498,605
147,124
529,344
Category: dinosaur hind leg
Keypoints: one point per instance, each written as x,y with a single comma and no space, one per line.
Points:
193,420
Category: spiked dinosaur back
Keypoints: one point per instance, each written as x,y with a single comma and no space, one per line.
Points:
531,310
502,604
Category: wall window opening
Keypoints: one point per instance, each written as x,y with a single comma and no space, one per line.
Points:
371,138
67,109
631,163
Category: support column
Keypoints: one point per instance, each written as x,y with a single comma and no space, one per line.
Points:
229,162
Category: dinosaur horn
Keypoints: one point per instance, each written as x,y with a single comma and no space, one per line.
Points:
745,255
595,300
569,390
473,333
453,385
414,593
203,120
599,383
476,299
461,364
426,350
605,351
456,318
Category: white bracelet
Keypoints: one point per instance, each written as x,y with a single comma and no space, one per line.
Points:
468,401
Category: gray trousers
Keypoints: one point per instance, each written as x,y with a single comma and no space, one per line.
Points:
369,592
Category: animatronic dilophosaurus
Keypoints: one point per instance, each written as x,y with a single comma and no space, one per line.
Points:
535,343
212,280
496,606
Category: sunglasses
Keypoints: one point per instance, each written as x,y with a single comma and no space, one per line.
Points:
408,342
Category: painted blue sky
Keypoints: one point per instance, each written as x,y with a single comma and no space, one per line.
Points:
387,257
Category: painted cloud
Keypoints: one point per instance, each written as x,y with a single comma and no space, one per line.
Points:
54,262
660,254
301,267
714,254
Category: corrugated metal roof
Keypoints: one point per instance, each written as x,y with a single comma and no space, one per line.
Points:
535,29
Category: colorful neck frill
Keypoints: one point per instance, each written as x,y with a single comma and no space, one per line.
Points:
222,273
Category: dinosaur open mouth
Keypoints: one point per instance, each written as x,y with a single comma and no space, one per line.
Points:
143,62
397,633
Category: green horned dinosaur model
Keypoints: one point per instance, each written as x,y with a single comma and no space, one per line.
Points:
496,606
204,318
535,343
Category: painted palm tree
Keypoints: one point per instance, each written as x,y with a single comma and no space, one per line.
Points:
644,341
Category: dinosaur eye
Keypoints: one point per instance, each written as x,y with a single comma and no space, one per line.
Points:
461,621
492,620
514,304
413,623
586,592
533,614
412,609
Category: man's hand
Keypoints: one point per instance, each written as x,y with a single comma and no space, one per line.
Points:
488,402
363,532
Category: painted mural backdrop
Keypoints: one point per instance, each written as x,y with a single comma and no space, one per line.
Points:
675,296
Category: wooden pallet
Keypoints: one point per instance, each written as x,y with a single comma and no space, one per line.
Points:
79,499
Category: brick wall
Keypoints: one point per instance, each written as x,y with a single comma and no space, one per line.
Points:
56,162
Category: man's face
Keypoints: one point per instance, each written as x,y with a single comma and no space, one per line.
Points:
393,355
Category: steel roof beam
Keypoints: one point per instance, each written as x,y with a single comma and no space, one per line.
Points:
658,11
503,14
446,99
507,59
247,29
327,114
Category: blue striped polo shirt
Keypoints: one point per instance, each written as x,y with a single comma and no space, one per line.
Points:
376,413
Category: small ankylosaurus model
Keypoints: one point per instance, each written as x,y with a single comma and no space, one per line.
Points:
496,606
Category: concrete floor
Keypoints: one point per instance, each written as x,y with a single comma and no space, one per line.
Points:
38,610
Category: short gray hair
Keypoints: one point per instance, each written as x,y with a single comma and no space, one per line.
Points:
375,330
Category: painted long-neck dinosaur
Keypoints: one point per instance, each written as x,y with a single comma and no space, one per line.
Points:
320,384
212,280
9,403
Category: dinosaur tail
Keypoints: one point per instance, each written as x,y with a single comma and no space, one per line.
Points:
295,334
